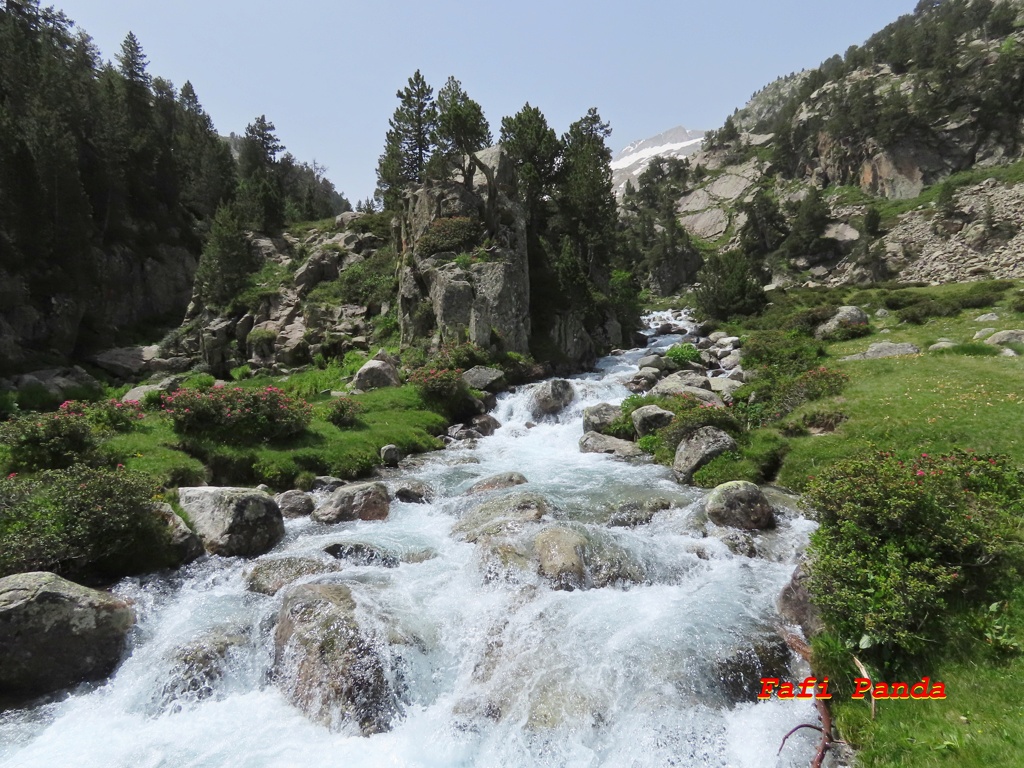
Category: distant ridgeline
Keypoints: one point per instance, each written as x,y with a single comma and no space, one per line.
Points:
109,180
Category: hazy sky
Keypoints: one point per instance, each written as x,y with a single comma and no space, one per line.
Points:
326,73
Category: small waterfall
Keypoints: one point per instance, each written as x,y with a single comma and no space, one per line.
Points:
488,669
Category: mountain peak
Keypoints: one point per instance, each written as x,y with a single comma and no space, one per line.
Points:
633,159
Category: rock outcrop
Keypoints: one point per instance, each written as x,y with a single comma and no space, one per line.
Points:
698,449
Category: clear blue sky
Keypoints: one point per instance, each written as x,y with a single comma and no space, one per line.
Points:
325,73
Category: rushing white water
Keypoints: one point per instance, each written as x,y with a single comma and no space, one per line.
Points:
498,672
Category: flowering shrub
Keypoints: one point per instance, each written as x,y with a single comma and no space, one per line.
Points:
48,441
899,542
342,412
439,385
237,415
109,414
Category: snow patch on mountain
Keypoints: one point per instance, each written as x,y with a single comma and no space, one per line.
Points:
631,161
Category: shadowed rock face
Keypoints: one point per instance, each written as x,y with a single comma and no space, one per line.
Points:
55,633
326,665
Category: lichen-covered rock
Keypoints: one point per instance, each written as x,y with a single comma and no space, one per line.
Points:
183,545
650,418
497,482
325,663
390,455
55,633
360,501
485,379
795,604
739,504
698,449
414,492
233,521
560,556
845,317
295,503
1006,337
598,418
885,349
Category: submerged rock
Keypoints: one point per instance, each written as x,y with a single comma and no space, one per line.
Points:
268,577
357,553
199,665
55,633
233,521
502,516
325,663
414,492
740,673
497,482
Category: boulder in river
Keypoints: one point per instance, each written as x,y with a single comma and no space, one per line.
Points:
233,521
270,576
649,418
739,504
55,633
598,418
295,504
795,604
502,516
552,397
359,501
497,482
325,663
592,442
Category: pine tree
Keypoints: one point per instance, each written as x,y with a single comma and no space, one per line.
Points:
261,201
409,142
534,150
461,127
226,260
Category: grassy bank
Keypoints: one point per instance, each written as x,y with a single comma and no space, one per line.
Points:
967,398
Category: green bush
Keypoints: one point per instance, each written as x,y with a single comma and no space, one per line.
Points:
919,313
200,381
784,352
452,234
681,354
728,287
443,387
49,441
241,373
465,356
237,415
261,337
757,460
773,395
343,412
81,522
902,545
111,415
8,405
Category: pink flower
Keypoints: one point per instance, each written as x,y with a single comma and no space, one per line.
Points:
920,472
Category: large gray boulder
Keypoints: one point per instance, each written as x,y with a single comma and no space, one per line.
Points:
594,442
551,397
698,449
295,503
650,418
486,379
598,418
183,545
376,374
845,317
668,385
55,633
325,663
1006,337
233,521
360,501
739,504
671,386
885,349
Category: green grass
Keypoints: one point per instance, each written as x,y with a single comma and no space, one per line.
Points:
391,416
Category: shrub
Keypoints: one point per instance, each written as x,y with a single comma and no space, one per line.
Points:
451,234
465,356
440,386
757,460
237,415
681,354
200,381
48,441
110,415
241,373
728,287
80,522
922,311
261,337
900,543
342,412
788,353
